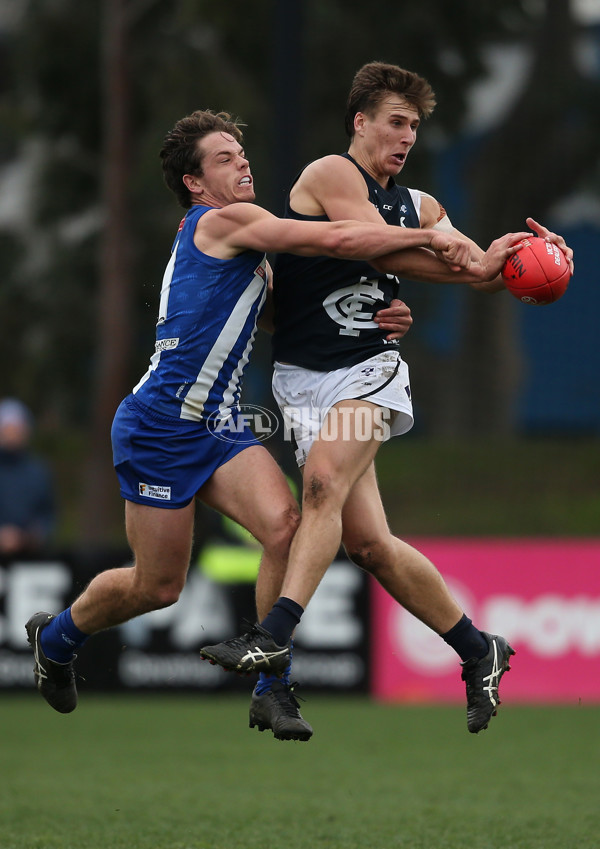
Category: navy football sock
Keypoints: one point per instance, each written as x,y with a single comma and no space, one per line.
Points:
466,640
282,619
61,638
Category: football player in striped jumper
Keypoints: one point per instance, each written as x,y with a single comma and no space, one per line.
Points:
168,434
343,387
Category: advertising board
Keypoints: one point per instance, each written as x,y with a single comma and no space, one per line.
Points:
542,594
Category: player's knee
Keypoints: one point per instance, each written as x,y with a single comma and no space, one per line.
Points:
290,520
320,488
282,529
163,594
167,595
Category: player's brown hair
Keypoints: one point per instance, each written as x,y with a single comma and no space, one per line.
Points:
375,80
181,153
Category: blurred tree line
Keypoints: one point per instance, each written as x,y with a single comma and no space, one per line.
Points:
87,93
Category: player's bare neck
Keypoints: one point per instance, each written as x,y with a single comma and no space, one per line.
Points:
363,160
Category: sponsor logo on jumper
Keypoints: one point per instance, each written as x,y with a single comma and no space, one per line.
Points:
166,344
153,490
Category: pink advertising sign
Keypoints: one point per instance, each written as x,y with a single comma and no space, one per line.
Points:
542,594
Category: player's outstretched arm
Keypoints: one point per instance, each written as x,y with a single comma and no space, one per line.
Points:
237,227
433,266
482,273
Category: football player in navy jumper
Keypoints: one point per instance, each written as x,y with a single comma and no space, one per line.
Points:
343,387
165,449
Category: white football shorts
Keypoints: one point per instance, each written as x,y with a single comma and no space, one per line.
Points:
305,397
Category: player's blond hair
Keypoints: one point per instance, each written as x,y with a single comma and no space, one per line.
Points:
375,80
181,153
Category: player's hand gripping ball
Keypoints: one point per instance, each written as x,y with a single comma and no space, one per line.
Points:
538,273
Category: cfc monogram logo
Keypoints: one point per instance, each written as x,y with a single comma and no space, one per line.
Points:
350,307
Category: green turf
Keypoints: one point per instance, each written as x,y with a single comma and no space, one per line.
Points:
186,773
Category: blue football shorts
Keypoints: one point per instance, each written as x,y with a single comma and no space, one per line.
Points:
163,462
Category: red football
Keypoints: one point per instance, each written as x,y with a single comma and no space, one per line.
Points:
538,273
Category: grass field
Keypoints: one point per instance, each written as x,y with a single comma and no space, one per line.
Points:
186,773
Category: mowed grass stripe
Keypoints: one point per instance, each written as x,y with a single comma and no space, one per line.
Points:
185,772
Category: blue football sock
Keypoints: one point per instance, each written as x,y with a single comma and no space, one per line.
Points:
61,638
466,640
282,619
265,681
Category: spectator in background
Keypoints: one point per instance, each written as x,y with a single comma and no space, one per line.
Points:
27,497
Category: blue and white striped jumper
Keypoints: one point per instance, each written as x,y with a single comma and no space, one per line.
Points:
205,331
